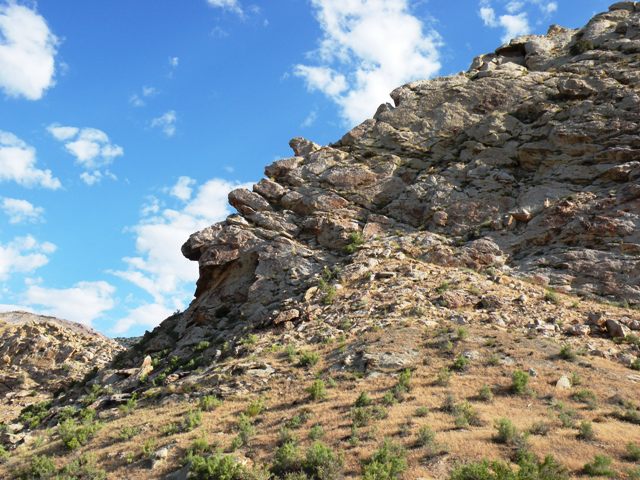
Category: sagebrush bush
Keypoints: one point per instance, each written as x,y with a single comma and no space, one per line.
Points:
209,403
387,463
74,434
317,390
520,382
600,466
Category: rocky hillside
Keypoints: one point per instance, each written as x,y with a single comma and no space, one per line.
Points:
450,291
40,355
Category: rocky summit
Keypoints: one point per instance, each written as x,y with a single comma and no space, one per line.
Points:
450,291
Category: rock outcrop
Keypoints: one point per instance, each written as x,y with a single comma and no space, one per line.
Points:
527,163
40,355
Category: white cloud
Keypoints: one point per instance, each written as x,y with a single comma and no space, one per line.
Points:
82,303
21,211
91,148
231,5
18,164
310,119
514,26
160,269
137,100
166,122
174,62
27,52
182,189
324,79
516,20
369,48
23,255
148,315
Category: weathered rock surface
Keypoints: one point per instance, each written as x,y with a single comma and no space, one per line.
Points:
527,163
40,355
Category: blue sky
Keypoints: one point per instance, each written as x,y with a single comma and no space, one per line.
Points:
123,125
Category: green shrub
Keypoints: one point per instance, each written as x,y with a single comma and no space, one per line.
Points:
635,365
389,399
40,467
4,455
33,415
506,431
192,420
426,437
255,408
209,403
74,434
460,364
82,468
316,432
422,411
529,469
587,397
599,467
308,359
198,447
520,382
466,415
444,377
322,463
288,458
129,406
128,432
356,240
246,429
363,400
222,467
387,463
361,416
202,346
633,452
551,297
317,390
568,353
485,394
585,431
540,428
404,380
298,420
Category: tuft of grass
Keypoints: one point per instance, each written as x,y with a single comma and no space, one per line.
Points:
316,432
551,297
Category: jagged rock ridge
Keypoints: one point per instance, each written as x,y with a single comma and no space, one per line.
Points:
527,163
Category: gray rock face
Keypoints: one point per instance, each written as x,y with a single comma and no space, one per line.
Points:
527,162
